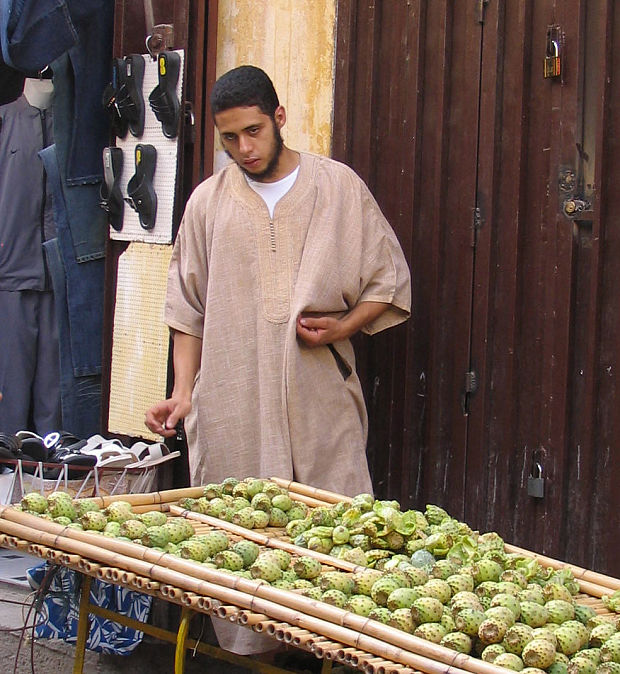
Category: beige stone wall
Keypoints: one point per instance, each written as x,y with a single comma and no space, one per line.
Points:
293,41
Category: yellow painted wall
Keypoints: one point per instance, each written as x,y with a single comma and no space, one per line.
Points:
293,41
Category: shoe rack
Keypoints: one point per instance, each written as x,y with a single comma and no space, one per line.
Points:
136,345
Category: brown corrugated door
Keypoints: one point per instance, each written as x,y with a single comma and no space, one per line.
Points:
501,185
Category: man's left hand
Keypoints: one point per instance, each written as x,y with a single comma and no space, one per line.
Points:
319,330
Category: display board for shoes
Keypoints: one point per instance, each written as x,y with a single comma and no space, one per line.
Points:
164,181
139,366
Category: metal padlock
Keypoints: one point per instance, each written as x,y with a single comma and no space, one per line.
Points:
536,482
553,66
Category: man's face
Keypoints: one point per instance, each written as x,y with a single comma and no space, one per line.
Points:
252,139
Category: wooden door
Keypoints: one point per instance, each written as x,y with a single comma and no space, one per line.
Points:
499,183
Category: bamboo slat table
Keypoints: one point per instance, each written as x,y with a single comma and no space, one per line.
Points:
331,633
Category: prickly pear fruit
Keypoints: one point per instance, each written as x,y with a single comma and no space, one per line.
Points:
517,637
468,620
581,665
307,567
401,597
384,586
95,520
534,614
538,653
571,637
509,661
248,551
364,580
401,619
266,567
228,559
457,641
426,610
360,604
600,633
338,580
492,631
381,614
156,536
35,502
560,610
491,652
434,632
335,597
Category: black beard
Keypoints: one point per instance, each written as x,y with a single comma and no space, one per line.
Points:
273,162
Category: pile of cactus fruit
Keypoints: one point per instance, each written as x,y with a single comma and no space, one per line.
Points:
424,573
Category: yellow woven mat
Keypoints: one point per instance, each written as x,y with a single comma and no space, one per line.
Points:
140,338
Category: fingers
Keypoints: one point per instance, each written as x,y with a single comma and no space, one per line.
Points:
162,419
313,323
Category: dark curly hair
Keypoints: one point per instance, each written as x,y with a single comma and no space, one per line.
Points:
244,86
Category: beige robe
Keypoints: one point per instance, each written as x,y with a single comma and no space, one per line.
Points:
265,404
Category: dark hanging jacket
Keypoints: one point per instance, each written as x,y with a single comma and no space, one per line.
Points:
26,216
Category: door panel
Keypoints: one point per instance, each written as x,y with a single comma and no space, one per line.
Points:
443,108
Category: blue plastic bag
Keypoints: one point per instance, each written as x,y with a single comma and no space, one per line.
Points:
58,611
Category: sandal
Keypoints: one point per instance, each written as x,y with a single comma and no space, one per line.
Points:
110,192
163,99
109,453
129,100
119,125
141,194
151,455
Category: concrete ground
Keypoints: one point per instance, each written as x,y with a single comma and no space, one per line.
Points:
22,656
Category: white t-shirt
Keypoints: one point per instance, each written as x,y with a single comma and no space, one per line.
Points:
273,192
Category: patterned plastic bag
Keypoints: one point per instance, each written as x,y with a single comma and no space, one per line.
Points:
58,610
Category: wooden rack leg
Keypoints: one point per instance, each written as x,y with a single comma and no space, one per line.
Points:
82,629
179,655
326,667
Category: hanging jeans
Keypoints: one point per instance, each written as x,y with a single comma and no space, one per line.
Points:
74,37
78,290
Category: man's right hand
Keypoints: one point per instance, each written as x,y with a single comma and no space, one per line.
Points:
163,417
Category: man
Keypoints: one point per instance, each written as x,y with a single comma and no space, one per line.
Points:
281,257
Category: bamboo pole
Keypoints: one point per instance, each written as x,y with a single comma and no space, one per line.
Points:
264,540
248,619
304,639
294,633
104,572
368,663
273,626
207,604
322,495
322,647
227,613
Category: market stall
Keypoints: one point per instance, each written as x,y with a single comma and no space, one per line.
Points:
288,614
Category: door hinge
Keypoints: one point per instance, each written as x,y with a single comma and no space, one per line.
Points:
481,6
476,226
471,386
477,218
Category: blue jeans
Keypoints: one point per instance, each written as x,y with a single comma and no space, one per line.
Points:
80,396
84,283
75,38
78,290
